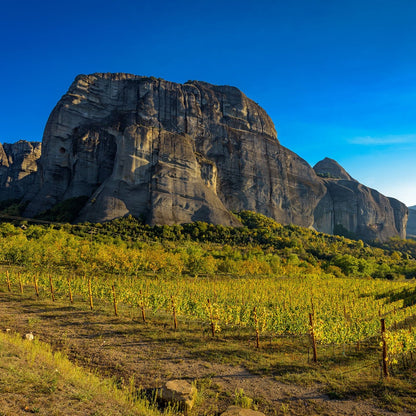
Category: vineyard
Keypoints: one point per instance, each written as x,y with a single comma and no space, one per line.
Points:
263,289
270,296
345,311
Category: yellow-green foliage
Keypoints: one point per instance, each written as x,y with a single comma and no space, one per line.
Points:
262,247
400,344
285,272
345,309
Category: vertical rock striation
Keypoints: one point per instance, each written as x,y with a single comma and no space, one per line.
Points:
170,153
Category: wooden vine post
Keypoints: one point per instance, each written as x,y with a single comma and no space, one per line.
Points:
313,340
384,345
71,299
20,283
90,293
114,300
312,306
8,281
211,318
175,322
346,316
256,325
52,290
142,306
35,284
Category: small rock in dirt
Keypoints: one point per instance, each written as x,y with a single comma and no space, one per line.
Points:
29,336
179,392
239,411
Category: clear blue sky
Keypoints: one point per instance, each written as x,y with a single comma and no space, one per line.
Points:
338,78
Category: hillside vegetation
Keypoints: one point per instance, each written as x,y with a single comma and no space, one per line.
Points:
261,281
261,246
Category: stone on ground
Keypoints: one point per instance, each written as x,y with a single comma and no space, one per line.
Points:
239,411
179,392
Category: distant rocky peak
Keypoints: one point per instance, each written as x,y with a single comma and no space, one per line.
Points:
330,168
18,167
22,149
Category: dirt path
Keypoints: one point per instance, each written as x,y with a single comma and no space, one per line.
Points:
121,348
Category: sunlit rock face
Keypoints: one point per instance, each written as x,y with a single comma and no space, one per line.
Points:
171,153
176,153
362,211
18,167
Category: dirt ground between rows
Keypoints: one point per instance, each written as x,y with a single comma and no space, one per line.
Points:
120,348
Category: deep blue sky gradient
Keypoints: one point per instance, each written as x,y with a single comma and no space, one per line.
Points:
338,78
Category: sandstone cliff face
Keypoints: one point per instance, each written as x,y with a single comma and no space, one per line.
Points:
356,208
171,153
18,167
175,153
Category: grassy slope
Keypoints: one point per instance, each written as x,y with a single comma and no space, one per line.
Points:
33,379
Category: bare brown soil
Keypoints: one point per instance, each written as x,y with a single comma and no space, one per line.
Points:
123,347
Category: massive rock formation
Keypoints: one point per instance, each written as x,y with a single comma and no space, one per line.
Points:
175,153
171,153
18,166
355,208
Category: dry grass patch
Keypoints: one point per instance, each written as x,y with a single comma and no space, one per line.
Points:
33,379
